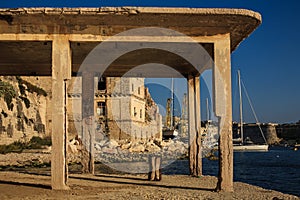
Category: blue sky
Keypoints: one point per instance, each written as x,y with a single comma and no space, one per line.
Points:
268,59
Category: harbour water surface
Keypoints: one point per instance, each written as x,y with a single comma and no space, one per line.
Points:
278,169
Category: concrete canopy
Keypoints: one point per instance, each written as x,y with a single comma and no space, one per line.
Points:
56,41
30,57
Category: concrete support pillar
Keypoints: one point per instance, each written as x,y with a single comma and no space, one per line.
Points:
195,158
198,126
88,122
223,110
61,72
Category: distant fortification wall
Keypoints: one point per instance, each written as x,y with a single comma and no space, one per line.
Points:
253,132
289,132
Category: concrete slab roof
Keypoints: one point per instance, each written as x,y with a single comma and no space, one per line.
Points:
108,21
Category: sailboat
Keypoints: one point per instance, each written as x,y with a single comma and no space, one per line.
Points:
245,144
211,136
169,131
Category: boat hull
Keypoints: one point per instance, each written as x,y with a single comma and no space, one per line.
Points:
262,147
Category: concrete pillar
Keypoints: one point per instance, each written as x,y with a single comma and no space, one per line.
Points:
223,110
61,72
195,158
88,123
198,127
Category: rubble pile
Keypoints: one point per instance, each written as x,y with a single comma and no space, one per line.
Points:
113,151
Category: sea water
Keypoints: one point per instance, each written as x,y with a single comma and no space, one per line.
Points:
277,169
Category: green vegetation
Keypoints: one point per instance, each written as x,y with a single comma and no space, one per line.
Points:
18,146
30,87
38,142
8,92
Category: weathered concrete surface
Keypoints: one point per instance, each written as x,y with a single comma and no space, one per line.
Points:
192,126
223,109
60,74
219,30
198,127
110,21
195,154
88,121
39,24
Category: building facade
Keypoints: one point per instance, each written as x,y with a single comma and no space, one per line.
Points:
123,109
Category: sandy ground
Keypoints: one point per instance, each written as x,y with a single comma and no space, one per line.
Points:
14,185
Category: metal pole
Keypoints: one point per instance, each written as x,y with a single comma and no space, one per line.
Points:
207,110
241,106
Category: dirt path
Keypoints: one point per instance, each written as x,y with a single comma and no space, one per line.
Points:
15,185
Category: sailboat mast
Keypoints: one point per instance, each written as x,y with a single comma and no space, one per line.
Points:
241,106
207,110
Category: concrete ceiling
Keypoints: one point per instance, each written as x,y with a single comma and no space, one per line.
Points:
34,57
25,58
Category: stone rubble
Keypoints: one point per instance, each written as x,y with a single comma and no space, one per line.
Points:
126,151
105,151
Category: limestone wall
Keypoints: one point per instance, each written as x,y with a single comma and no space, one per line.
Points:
126,104
27,114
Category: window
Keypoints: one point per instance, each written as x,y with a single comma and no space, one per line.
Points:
141,113
101,108
134,111
102,83
139,90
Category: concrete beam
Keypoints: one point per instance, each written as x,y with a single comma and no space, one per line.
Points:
100,38
26,37
61,72
111,21
223,110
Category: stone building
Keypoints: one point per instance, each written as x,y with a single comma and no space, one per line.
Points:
123,109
